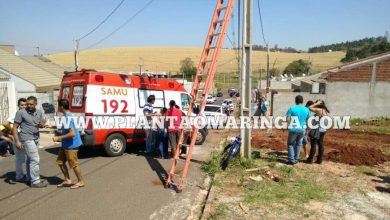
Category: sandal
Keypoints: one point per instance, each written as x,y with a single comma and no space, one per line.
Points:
77,185
64,184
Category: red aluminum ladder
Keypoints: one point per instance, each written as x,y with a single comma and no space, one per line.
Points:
205,73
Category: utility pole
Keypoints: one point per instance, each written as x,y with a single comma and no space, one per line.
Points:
76,53
246,60
268,73
39,52
141,63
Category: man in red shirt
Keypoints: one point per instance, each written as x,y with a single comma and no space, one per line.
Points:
173,127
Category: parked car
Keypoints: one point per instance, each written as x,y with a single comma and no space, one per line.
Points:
219,94
228,103
210,99
230,90
217,112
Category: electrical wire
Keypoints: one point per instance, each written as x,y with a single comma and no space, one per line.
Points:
261,23
122,25
102,22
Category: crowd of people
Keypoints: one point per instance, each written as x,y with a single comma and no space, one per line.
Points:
299,134
159,139
20,132
19,135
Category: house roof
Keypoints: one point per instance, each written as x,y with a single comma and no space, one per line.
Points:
361,70
47,65
26,70
3,74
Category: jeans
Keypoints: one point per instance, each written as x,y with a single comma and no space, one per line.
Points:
162,142
3,147
20,158
313,144
31,149
150,140
294,143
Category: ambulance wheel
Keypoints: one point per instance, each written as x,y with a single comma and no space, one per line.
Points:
115,145
201,137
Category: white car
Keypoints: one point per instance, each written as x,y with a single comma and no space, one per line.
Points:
215,111
228,103
210,99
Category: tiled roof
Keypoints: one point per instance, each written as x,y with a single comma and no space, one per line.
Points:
47,65
28,71
361,71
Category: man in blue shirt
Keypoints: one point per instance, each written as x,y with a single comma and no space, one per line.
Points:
71,141
297,117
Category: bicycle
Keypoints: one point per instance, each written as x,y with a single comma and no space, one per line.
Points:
230,151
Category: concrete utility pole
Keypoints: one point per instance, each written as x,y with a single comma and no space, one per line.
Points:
39,52
76,53
141,63
246,60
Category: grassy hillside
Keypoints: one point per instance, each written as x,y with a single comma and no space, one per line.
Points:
167,59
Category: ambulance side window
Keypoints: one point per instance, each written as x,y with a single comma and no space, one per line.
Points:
143,96
185,101
65,93
77,96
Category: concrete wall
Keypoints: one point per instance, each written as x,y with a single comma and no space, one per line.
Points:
283,100
359,99
355,99
22,85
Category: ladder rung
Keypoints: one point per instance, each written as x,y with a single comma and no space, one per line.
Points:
219,21
223,8
208,61
214,35
211,48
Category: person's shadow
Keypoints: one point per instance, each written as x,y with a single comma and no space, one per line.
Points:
383,179
10,178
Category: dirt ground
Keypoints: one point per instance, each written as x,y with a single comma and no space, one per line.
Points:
345,146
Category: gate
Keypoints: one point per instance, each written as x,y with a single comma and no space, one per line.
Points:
4,102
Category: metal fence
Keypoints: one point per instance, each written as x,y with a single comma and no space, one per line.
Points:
4,102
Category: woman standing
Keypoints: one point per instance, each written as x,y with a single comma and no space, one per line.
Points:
317,136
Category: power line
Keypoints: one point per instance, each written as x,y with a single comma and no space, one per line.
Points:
122,25
261,23
102,22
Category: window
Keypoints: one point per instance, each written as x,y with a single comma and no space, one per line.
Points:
65,93
208,108
185,101
77,96
144,94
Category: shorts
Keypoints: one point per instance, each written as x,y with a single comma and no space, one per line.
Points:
304,140
173,139
68,155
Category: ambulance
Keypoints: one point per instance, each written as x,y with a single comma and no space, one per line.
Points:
102,94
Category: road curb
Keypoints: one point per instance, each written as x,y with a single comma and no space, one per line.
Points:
206,195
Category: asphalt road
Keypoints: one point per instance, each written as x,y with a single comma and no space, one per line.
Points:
127,186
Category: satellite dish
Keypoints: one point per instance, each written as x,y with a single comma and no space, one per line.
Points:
16,53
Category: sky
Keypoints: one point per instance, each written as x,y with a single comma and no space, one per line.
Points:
52,24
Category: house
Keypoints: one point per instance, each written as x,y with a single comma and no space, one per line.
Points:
360,89
28,77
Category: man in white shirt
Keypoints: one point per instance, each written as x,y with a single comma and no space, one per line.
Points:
20,156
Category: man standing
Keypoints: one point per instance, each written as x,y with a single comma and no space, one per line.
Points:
30,120
70,141
20,156
297,117
264,106
150,134
174,128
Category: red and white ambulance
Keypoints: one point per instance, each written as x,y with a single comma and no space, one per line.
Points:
101,94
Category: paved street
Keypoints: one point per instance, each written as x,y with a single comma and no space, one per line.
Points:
128,186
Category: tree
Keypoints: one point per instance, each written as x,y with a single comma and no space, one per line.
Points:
274,71
188,68
298,67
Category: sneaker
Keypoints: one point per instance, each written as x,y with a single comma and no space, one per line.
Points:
41,184
22,180
290,163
